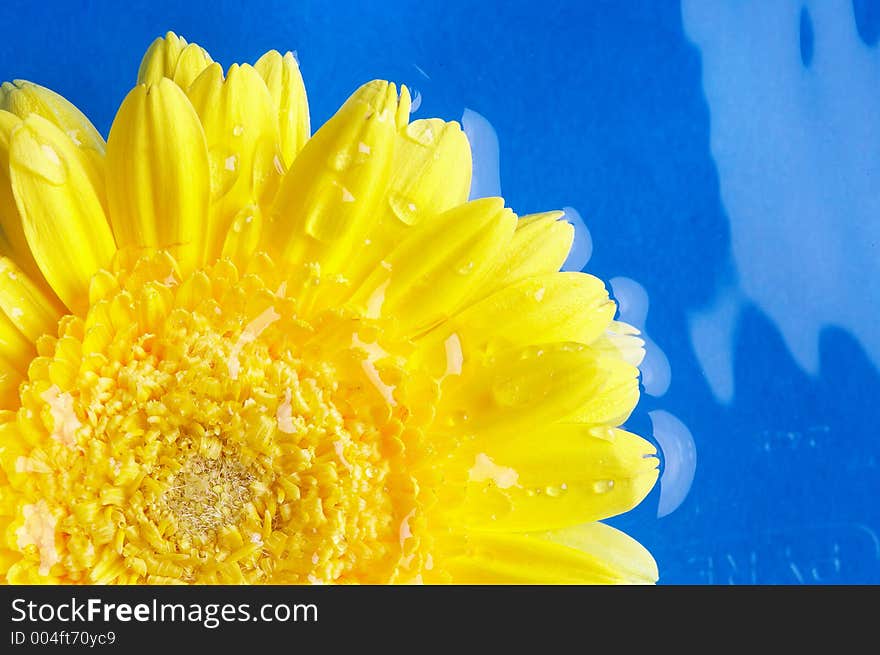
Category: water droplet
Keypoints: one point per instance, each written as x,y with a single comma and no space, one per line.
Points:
347,196
279,165
238,130
341,160
421,132
454,355
603,486
465,268
224,171
512,392
43,161
555,491
50,154
363,148
404,208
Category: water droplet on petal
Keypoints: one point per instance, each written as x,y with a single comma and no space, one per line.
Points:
340,161
465,268
74,136
224,171
603,486
555,491
404,208
421,132
44,162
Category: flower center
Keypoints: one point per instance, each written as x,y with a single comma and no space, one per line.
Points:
205,496
205,431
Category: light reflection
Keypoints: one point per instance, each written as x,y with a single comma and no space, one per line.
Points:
795,134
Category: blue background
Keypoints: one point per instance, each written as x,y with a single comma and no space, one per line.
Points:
597,105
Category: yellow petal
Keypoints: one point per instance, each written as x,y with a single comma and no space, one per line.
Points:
479,558
556,476
544,308
241,130
285,84
158,178
539,245
243,236
62,215
625,557
23,98
431,173
624,340
15,348
521,389
174,58
10,379
31,311
329,196
618,394
12,241
443,260
432,170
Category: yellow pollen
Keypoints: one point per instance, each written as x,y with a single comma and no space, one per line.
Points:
206,495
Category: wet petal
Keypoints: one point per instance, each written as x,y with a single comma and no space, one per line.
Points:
443,259
544,308
23,98
479,558
282,77
31,311
526,387
625,557
330,194
241,131
62,215
539,245
12,240
556,476
172,57
430,174
157,172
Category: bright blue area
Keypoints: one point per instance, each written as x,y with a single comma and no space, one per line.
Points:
598,106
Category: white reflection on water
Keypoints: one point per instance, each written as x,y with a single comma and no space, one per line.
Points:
486,178
632,302
582,246
797,149
679,460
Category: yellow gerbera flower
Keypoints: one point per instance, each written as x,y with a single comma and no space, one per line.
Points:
234,353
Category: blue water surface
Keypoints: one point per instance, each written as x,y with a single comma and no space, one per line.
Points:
722,156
